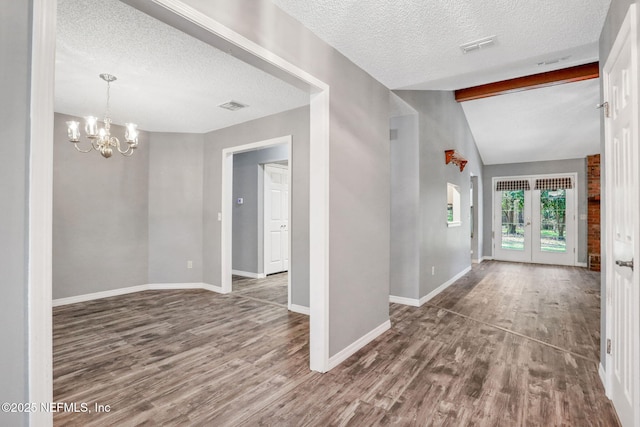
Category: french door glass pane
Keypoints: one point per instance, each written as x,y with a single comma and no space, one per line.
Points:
553,224
513,220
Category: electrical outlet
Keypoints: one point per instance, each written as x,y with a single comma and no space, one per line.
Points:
189,264
219,216
433,270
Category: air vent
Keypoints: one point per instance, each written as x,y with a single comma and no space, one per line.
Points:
477,45
553,61
232,106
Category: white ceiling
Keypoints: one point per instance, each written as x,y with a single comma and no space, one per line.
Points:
552,123
167,80
414,44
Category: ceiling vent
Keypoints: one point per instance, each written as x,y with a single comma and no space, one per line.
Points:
478,44
553,61
232,106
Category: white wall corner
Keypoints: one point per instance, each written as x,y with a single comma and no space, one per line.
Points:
300,309
414,302
351,349
444,286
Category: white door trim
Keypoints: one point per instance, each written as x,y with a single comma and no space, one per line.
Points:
226,244
41,191
533,177
226,226
39,285
627,32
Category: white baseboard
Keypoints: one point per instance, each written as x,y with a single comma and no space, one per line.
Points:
98,295
169,286
419,302
248,274
476,261
582,264
603,378
122,291
345,353
444,286
300,309
414,302
213,288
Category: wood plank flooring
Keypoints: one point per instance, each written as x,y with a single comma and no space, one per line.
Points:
273,289
198,358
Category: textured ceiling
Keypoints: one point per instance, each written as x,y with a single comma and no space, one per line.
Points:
557,122
414,44
167,80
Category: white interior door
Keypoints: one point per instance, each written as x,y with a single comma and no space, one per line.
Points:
622,224
276,211
534,219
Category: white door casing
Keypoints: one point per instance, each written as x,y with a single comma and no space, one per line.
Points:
622,207
276,218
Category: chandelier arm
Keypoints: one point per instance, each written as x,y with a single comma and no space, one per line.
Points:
75,144
127,155
95,145
121,151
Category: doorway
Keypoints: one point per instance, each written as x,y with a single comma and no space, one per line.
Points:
227,204
534,219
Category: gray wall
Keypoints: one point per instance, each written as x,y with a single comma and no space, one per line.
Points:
405,207
100,211
248,222
442,126
539,168
175,207
296,124
359,200
15,52
612,24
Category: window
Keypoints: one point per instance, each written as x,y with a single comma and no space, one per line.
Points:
453,205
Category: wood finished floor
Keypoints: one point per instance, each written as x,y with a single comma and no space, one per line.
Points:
465,359
273,289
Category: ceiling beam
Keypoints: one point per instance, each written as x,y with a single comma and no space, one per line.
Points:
534,81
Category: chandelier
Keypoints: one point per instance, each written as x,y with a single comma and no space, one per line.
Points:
100,139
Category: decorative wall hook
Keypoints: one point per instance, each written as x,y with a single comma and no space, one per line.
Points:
452,156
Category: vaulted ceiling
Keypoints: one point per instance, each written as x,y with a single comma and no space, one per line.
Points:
169,81
416,45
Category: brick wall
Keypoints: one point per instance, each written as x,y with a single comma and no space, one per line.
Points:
593,212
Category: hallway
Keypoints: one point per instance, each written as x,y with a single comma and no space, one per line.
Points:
508,344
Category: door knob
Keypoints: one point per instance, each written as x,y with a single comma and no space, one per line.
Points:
625,264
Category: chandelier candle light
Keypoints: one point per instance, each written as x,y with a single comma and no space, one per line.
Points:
101,139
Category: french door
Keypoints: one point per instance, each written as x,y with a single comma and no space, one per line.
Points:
534,219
